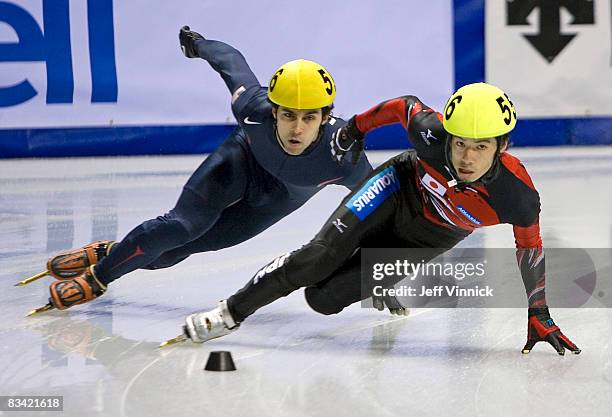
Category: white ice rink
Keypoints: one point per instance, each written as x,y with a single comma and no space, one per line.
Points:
102,357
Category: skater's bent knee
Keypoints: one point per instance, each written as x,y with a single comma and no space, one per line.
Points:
321,302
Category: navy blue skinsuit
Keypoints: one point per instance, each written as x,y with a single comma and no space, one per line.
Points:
245,186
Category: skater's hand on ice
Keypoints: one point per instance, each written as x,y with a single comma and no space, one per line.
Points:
399,311
391,303
188,38
347,139
540,327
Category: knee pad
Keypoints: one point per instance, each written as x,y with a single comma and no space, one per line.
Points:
321,302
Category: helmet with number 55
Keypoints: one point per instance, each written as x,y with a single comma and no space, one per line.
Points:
478,119
302,84
302,94
479,111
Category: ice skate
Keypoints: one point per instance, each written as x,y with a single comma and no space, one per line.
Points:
70,264
70,292
201,327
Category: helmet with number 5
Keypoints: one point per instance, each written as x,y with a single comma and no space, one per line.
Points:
479,111
302,84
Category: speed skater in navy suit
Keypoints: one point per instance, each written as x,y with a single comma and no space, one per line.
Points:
282,153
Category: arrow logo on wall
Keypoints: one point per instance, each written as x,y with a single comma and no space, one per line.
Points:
549,42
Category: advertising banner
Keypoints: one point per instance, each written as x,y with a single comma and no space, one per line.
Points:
554,58
100,63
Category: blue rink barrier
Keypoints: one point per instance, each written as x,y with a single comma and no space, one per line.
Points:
111,141
176,140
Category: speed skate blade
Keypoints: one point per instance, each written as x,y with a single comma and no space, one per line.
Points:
40,309
32,279
177,339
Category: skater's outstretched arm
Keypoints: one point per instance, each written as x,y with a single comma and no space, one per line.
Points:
223,58
531,262
249,98
401,110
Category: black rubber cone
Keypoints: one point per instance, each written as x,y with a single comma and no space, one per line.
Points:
220,360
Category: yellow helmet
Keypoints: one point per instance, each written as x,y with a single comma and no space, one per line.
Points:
479,111
302,84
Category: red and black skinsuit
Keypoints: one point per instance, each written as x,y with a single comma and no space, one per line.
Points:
412,200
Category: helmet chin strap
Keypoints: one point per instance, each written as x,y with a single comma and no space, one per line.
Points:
486,178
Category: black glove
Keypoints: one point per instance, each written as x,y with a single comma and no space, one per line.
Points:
345,139
188,38
540,327
392,303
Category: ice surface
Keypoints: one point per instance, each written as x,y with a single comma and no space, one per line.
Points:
102,357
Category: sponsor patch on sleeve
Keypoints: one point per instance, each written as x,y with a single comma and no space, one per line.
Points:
374,193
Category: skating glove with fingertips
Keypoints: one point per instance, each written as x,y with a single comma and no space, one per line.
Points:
540,327
347,139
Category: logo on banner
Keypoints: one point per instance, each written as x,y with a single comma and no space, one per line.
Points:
374,193
51,44
549,41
